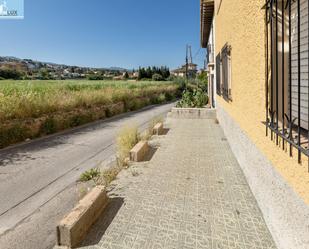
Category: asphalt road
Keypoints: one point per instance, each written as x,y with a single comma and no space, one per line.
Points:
37,178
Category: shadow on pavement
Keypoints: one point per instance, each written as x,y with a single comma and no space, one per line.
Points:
165,131
150,154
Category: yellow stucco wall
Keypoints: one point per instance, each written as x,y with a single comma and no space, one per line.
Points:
241,24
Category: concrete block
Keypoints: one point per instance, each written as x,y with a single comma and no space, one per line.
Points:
139,151
74,227
158,129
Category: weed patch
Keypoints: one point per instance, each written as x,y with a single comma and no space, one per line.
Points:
91,174
127,138
48,126
109,175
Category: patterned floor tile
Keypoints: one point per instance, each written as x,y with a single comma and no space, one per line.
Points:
191,195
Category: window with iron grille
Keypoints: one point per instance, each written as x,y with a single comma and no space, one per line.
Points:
226,72
287,81
218,74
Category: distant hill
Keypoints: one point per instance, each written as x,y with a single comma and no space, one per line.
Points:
33,64
16,68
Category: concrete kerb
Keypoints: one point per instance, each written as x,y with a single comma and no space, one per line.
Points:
158,129
74,227
139,151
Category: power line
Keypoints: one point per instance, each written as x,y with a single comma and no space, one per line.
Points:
197,53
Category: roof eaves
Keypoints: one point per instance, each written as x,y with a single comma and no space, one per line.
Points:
207,12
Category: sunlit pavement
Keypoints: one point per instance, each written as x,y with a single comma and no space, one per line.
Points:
191,194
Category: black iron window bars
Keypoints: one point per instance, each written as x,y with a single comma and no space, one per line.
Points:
226,72
218,74
287,73
223,73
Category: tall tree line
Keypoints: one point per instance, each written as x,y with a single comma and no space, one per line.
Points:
149,72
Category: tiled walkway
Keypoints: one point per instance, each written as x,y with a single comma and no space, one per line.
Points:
191,194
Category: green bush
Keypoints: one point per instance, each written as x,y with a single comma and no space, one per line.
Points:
180,81
195,98
157,77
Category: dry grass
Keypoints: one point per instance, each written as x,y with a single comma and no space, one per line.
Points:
32,99
146,135
127,138
108,175
30,109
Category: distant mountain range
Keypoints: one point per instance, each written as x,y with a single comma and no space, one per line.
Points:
29,64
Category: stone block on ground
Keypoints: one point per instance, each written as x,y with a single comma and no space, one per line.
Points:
138,153
74,227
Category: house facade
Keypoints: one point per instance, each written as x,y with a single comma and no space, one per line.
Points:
190,69
258,79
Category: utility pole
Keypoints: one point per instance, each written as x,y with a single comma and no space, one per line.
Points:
189,60
190,52
187,65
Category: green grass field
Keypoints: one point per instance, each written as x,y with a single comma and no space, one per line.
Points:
30,109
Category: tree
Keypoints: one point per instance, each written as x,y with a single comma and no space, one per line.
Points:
7,73
157,77
126,75
44,74
147,73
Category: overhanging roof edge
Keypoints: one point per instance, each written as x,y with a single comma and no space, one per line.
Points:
207,12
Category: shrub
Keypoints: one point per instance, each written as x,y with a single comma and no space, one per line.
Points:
126,140
157,77
180,81
195,98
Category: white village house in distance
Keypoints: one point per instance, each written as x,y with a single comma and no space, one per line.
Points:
189,69
181,72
